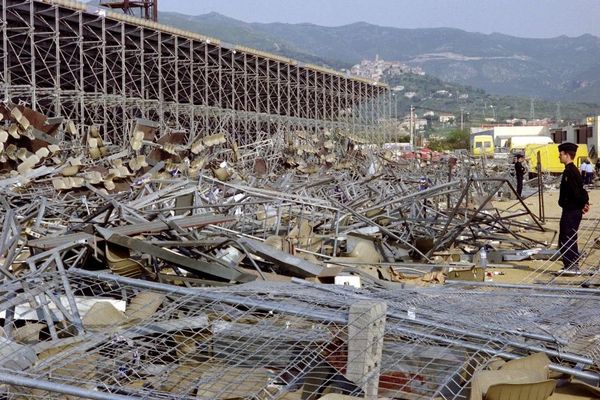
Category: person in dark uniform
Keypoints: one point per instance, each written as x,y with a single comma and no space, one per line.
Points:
519,173
574,201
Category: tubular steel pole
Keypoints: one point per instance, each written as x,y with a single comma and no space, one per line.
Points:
540,182
16,380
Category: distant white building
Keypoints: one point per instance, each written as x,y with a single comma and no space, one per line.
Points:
593,136
516,121
584,133
501,134
446,118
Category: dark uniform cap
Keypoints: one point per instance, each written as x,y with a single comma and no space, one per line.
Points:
567,147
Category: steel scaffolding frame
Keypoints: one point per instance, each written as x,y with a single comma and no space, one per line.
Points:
98,67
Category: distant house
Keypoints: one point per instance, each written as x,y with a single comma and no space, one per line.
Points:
446,118
562,134
442,93
593,136
516,121
421,123
583,133
410,95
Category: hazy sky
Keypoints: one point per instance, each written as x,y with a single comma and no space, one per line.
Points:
524,18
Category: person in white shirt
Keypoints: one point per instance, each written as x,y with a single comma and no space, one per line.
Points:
583,171
589,172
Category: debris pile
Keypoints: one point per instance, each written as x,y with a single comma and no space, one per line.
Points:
302,263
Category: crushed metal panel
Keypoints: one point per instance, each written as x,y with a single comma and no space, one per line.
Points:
292,264
148,227
189,264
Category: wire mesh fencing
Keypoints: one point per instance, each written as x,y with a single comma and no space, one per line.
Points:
85,334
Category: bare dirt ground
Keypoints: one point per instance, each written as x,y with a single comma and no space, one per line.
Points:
544,271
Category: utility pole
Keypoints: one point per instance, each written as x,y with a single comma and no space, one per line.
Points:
397,120
462,121
532,110
411,127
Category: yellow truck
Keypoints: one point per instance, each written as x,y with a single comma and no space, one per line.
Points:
482,146
549,157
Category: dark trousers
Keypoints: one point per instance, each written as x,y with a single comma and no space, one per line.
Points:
519,185
589,176
567,237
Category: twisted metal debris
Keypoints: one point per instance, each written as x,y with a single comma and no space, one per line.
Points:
142,258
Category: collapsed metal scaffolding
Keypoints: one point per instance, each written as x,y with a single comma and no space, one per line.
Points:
93,66
159,336
258,176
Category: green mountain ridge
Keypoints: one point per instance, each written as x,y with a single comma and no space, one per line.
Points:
237,32
476,104
557,69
